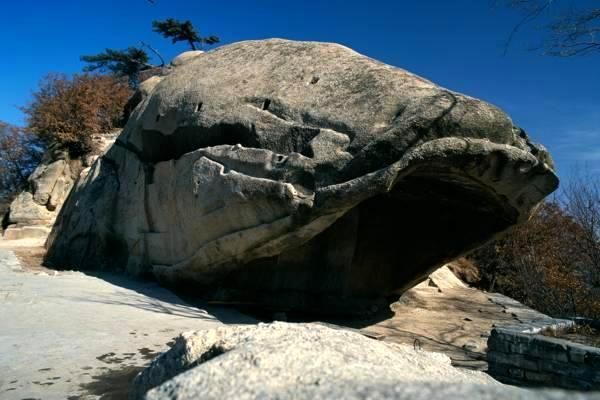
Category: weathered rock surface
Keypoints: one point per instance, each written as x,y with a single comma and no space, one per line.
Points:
232,361
442,278
299,176
33,212
308,361
444,315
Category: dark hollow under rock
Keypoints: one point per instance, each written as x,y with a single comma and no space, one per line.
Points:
299,176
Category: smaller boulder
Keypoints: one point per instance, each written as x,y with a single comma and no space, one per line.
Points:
443,278
43,180
186,57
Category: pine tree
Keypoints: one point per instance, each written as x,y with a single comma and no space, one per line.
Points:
129,62
182,31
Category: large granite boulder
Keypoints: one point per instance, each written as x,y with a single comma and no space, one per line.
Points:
309,361
299,176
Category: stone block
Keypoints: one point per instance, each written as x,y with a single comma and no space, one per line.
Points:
516,373
539,377
593,360
515,360
577,355
558,368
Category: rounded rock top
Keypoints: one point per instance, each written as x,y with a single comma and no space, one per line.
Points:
186,57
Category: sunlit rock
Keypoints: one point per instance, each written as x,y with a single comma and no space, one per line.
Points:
299,176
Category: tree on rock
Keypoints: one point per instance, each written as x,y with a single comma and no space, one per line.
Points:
71,111
182,31
129,62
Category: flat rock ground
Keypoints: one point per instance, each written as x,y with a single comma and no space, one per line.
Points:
444,315
77,336
454,321
67,335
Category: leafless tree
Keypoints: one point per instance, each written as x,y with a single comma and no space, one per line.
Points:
546,263
582,201
570,31
156,53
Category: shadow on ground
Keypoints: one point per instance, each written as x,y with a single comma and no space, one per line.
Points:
110,385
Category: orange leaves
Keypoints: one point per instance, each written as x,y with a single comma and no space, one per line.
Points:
70,111
542,263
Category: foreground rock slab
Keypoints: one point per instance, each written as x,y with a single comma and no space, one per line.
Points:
301,176
69,335
310,361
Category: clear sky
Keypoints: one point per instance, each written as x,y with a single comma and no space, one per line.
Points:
458,44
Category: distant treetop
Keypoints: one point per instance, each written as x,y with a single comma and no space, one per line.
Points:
182,31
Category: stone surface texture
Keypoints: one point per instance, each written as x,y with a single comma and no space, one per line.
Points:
33,212
441,316
67,335
299,176
309,361
442,278
525,357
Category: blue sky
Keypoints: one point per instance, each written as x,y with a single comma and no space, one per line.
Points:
458,44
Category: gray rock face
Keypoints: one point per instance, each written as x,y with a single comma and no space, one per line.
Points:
33,212
308,361
299,176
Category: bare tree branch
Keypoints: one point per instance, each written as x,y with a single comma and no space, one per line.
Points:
575,33
571,33
153,50
534,10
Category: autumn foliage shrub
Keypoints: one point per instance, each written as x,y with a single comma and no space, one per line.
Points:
70,111
542,263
